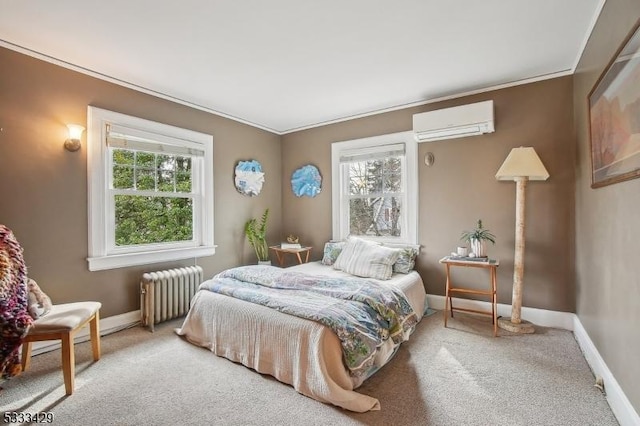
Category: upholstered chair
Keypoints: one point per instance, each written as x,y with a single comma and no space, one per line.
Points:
62,323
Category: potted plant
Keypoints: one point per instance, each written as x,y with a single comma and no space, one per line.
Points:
256,233
477,239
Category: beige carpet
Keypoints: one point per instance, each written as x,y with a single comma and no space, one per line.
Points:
443,376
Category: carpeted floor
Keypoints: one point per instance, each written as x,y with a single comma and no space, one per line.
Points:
443,376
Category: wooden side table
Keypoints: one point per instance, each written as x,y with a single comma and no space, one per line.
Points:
280,253
491,265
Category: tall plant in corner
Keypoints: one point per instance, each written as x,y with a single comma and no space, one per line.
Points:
478,238
256,233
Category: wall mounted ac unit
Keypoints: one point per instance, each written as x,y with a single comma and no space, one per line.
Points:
457,122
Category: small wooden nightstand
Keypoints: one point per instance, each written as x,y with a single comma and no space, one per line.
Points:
280,253
491,265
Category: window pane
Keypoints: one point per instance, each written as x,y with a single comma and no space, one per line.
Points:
123,156
183,164
123,161
165,180
183,174
146,220
358,178
183,181
393,182
375,177
165,161
123,177
365,177
375,216
165,167
393,175
145,179
145,159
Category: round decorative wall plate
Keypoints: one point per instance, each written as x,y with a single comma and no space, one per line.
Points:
306,181
249,177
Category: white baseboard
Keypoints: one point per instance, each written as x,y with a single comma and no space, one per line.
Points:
541,317
620,405
107,326
618,401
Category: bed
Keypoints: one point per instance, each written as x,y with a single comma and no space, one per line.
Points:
301,352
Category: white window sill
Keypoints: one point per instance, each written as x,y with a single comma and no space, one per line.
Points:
142,258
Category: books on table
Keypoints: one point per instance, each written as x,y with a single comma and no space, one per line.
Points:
454,256
290,246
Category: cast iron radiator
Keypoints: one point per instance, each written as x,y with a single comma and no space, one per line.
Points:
165,295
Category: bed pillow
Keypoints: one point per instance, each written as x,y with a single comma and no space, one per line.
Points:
331,252
367,259
407,259
349,250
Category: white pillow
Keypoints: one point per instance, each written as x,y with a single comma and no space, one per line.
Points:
367,259
349,250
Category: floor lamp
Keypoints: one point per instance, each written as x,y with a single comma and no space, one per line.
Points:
522,164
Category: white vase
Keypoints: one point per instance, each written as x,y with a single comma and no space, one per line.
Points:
264,262
478,247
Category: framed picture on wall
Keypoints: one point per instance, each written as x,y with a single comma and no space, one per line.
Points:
614,116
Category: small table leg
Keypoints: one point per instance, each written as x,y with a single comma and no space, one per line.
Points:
494,304
447,297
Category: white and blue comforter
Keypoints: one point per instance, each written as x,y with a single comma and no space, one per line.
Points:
364,314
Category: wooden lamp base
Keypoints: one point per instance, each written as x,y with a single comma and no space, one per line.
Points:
524,327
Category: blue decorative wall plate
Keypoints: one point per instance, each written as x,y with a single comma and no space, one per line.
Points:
249,177
306,181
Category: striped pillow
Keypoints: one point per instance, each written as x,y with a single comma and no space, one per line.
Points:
367,259
349,250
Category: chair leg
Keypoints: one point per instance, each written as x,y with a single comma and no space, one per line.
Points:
26,355
94,327
68,362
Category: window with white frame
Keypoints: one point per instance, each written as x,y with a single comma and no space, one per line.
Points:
374,188
150,191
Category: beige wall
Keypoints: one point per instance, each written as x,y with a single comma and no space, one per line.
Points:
43,188
461,187
607,225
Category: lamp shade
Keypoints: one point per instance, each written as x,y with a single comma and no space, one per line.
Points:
75,131
522,162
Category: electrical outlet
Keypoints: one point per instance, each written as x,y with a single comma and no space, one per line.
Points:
600,383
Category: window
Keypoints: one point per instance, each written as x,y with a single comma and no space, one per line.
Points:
375,188
150,191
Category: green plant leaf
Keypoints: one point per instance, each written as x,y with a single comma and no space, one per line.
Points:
257,235
480,233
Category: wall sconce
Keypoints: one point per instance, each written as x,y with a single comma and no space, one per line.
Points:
75,133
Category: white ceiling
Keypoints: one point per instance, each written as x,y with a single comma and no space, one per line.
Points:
284,65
